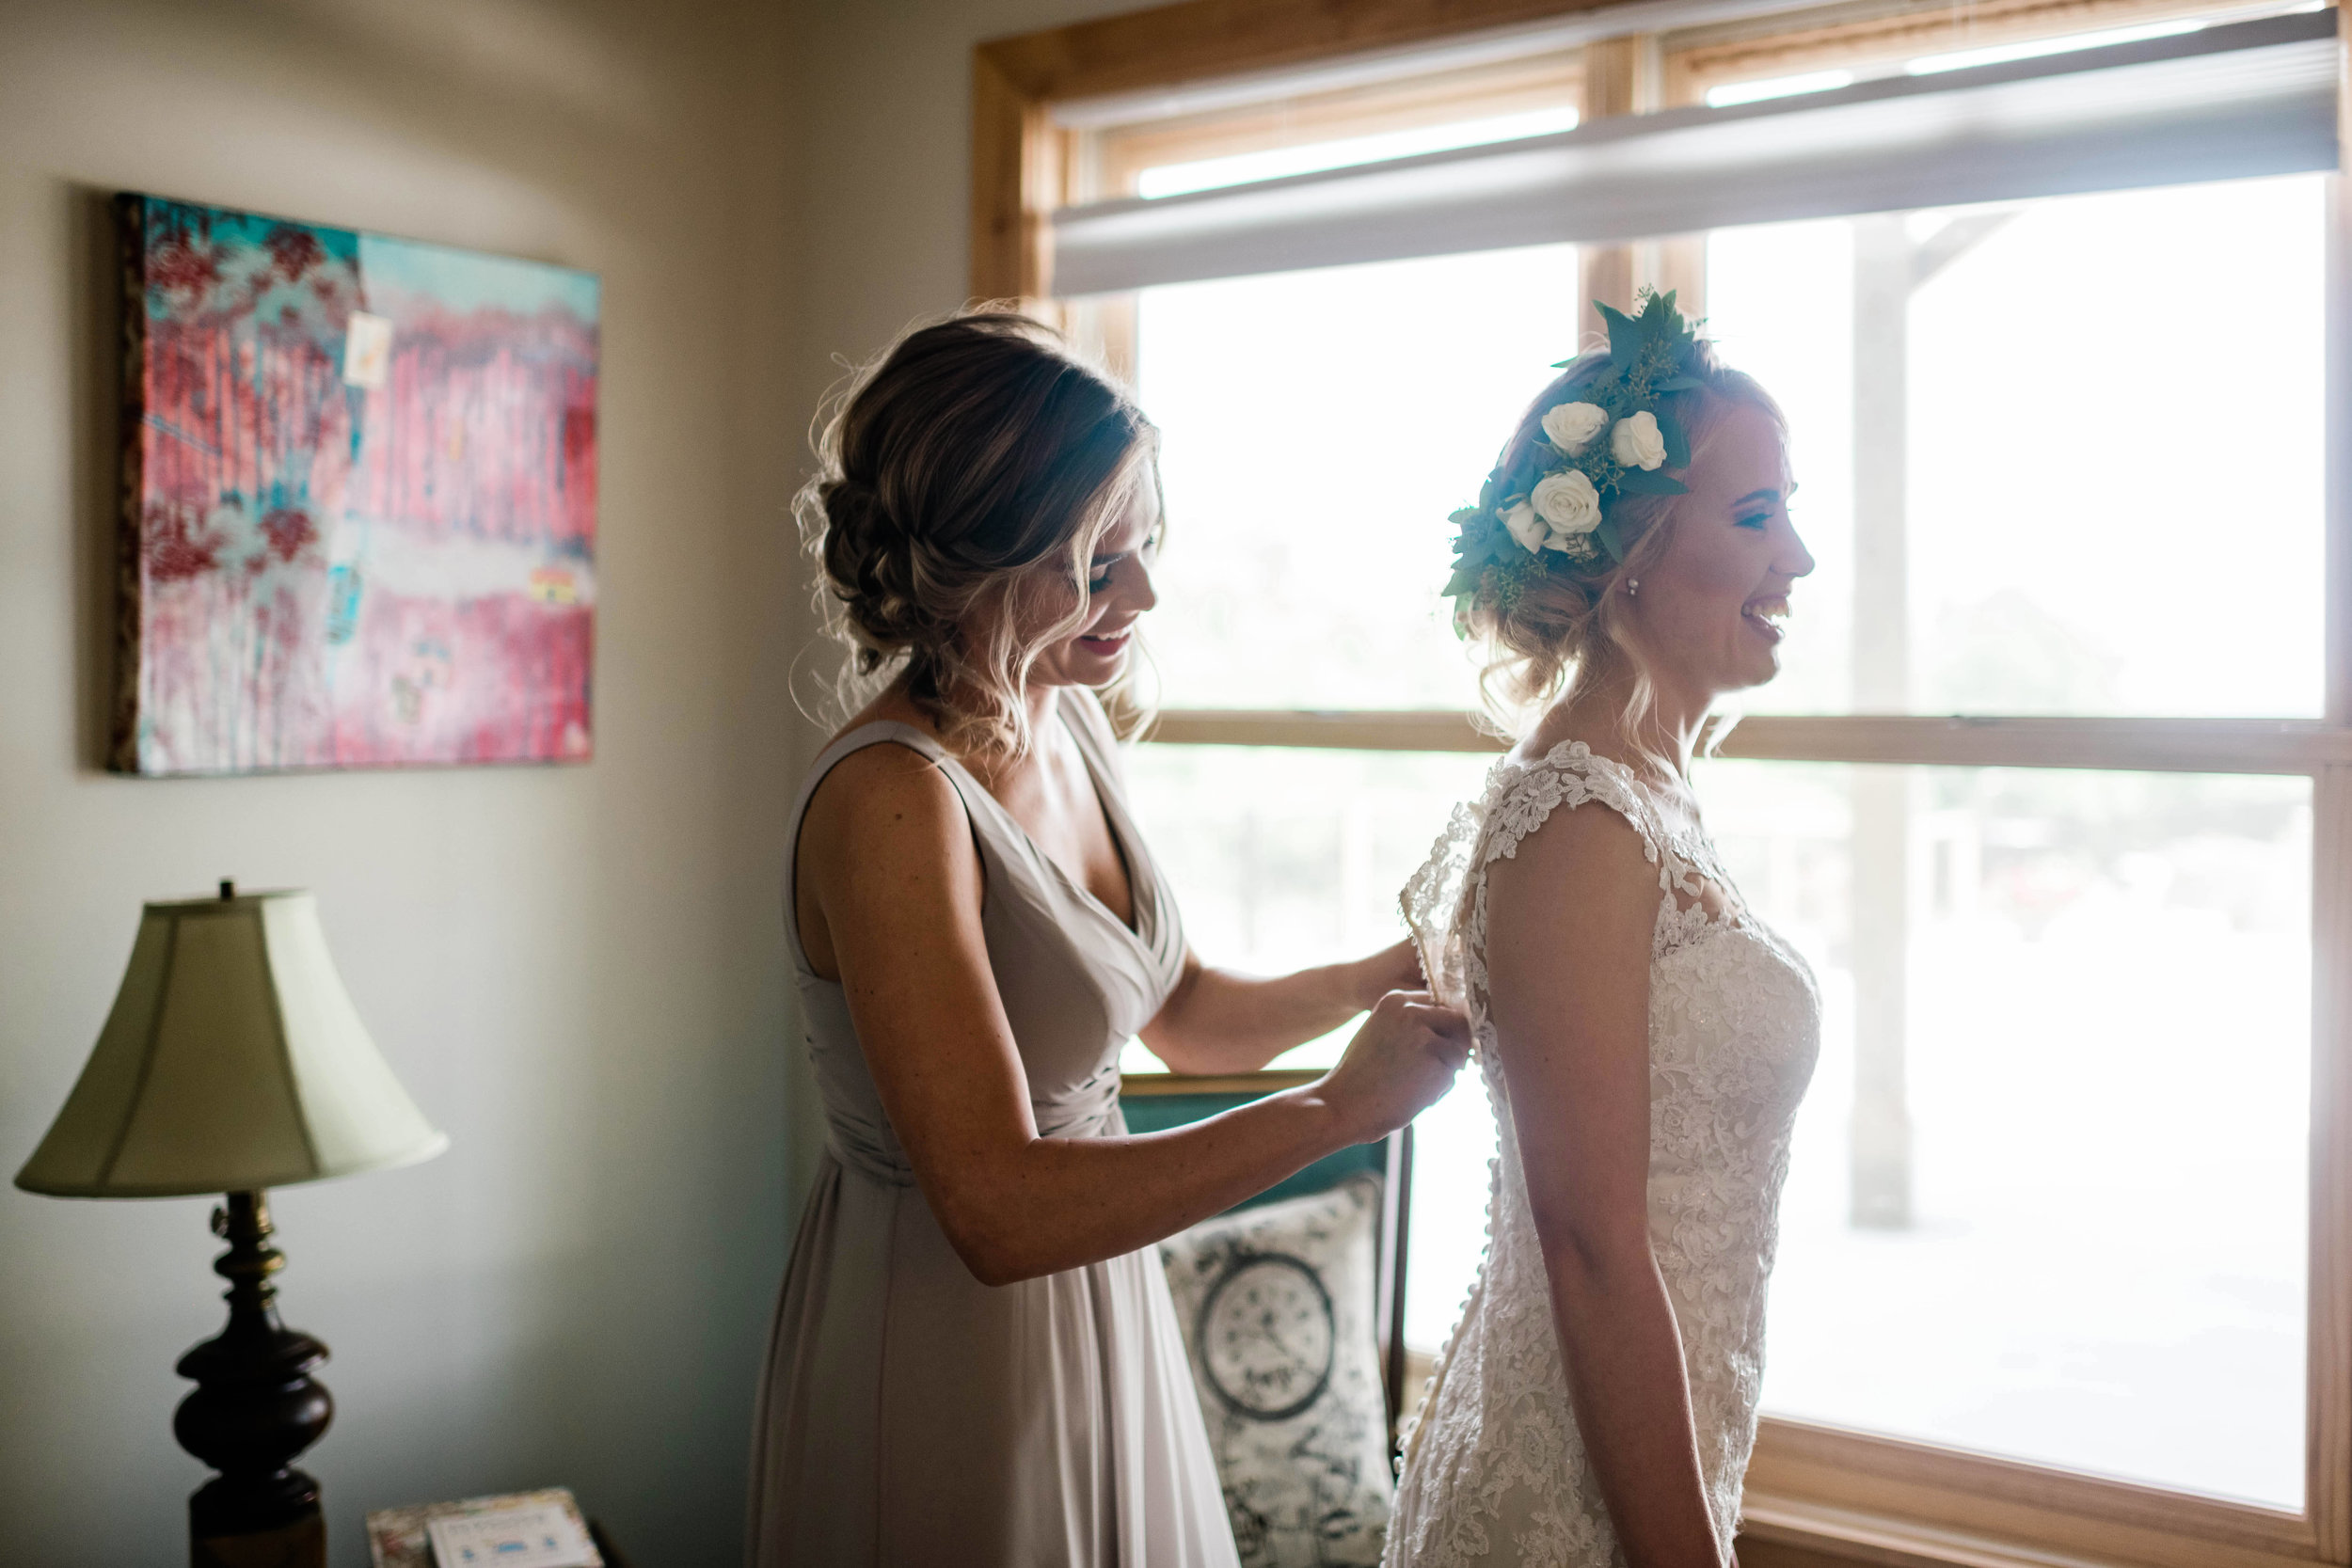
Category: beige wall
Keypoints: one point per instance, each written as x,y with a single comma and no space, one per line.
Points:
573,970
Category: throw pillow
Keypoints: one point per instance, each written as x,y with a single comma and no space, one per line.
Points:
1276,1303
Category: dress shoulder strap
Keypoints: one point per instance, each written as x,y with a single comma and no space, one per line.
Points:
879,733
1444,900
1520,795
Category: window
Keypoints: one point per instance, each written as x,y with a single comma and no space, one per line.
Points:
2050,1270
2047,1194
1299,497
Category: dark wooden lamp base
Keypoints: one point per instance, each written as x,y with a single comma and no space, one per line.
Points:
255,1407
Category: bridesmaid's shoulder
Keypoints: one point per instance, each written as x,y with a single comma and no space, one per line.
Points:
885,790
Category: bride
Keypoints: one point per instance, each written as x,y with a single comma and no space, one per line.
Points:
1644,1037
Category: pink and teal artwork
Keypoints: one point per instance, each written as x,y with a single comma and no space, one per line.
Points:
358,500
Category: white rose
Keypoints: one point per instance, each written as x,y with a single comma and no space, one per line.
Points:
1636,442
1568,503
1525,526
1572,424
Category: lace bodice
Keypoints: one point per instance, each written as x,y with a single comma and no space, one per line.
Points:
1495,1470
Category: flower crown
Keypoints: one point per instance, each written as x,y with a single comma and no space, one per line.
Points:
1559,495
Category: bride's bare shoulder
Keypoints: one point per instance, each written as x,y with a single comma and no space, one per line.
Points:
1581,884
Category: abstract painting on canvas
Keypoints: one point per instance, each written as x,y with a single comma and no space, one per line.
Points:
358,500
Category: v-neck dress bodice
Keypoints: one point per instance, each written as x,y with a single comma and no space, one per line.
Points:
911,1414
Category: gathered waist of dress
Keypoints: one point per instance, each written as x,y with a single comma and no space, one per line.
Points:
867,1144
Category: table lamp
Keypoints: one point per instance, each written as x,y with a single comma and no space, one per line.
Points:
233,1062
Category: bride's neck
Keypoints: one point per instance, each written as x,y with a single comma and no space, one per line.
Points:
1601,713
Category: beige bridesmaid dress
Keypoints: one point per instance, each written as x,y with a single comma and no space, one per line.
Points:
911,1416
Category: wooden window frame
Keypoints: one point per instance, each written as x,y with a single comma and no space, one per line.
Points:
1863,33
1815,1494
1121,150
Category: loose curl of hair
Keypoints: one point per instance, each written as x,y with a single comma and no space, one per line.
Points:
1563,627
965,475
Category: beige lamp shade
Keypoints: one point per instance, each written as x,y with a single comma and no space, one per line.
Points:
233,1061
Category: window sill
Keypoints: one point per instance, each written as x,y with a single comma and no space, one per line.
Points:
1793,1533
1819,1494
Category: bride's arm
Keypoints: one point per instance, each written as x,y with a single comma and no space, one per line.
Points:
1569,923
1218,1020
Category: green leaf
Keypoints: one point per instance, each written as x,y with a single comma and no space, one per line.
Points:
1676,383
1464,517
1464,581
1650,482
1678,444
1611,538
1624,338
1492,543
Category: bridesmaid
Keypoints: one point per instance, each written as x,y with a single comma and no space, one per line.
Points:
975,1359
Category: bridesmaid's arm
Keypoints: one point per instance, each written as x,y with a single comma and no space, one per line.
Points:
1218,1020
1569,984
887,862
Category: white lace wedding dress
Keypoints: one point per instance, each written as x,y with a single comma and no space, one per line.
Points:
1495,1471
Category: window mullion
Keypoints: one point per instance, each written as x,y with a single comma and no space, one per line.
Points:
2327,1488
2337,327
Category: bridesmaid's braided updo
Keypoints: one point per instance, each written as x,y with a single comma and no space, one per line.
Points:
964,478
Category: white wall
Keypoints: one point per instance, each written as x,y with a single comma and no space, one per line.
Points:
575,970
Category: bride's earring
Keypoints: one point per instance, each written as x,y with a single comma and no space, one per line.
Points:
1632,587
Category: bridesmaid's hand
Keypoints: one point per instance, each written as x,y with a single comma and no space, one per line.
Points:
1396,967
1401,1061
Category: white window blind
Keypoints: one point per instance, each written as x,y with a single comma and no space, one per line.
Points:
2229,101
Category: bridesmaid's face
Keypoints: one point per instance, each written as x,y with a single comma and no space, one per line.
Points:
1119,591
1707,613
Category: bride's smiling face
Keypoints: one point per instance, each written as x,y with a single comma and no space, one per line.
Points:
1707,614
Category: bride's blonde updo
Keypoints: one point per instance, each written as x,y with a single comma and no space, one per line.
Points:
964,477
1539,630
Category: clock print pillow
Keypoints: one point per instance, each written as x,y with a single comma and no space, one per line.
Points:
1277,1305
